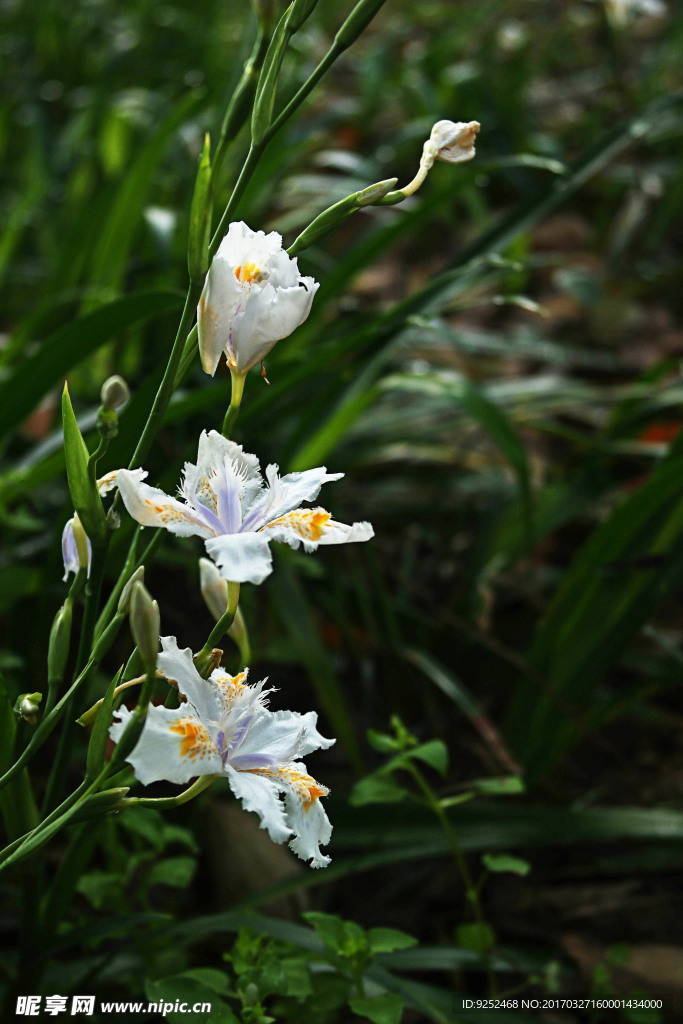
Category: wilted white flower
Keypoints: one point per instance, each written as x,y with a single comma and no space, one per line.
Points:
253,297
226,503
225,729
451,141
73,534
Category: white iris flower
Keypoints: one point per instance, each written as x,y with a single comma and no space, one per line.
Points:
105,484
226,503
253,296
225,729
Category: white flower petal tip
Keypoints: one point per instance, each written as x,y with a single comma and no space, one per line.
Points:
453,141
225,501
110,481
253,297
224,727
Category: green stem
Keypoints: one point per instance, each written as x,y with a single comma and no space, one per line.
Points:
240,104
253,157
165,391
92,599
471,891
197,787
203,660
95,458
237,381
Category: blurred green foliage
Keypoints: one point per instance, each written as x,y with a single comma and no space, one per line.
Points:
495,365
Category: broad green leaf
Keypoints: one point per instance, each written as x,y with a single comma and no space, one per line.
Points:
329,927
387,940
176,872
384,1009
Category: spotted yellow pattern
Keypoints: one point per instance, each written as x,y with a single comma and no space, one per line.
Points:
303,786
308,523
196,742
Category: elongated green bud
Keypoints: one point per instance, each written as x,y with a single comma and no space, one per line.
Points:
27,707
357,21
82,486
333,215
138,576
200,218
301,11
100,803
262,113
144,623
60,643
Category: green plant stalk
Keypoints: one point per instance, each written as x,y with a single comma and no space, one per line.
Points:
95,458
203,660
237,390
240,104
163,802
339,44
471,890
92,599
163,395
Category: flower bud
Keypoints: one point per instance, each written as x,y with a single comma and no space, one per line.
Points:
81,542
144,623
301,10
213,587
27,707
75,548
114,392
60,642
138,576
200,218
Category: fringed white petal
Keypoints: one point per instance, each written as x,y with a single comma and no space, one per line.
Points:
260,794
174,745
219,302
312,527
178,665
150,506
283,494
284,736
109,481
312,830
241,557
272,313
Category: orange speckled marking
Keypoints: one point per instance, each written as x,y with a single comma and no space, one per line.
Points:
302,785
195,742
247,273
230,687
307,522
